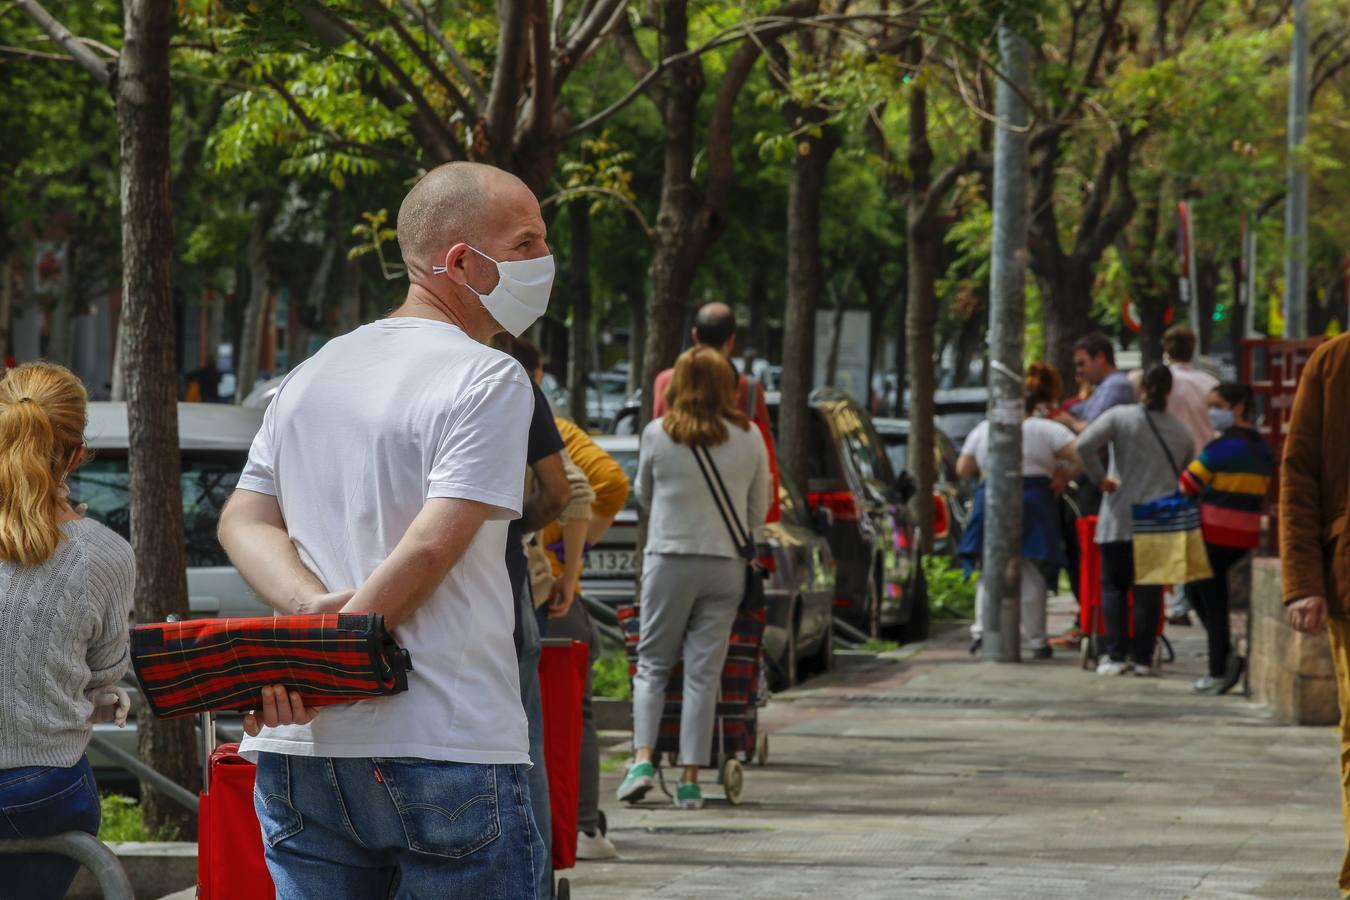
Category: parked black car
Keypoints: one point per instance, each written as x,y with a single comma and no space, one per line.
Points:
879,582
952,497
800,590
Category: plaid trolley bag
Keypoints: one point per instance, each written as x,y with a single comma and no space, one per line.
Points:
206,665
741,694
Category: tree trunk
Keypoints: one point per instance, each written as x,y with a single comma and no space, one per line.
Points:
6,301
349,305
259,289
637,334
674,256
757,298
59,335
806,188
579,336
921,245
1066,314
143,116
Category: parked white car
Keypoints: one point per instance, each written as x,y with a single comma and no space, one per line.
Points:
214,440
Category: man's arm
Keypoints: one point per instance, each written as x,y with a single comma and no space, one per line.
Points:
550,496
434,542
967,468
1093,438
253,533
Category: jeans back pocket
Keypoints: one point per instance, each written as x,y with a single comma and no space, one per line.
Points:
447,809
272,799
58,800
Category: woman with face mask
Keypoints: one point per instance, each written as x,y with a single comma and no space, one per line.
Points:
1230,477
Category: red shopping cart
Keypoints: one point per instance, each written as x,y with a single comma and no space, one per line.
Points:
1090,619
562,683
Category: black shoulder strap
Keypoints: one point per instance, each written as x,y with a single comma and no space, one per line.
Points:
1154,428
740,538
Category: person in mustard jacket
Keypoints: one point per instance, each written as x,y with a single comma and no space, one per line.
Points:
1314,547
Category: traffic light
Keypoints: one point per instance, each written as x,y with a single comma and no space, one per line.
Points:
1220,312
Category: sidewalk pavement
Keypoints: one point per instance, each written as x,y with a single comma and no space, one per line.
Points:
941,776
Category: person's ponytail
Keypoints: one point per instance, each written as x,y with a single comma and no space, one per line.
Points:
42,418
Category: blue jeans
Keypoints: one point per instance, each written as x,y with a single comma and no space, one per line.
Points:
367,829
532,634
39,801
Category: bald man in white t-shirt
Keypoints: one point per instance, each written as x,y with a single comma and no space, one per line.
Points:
387,468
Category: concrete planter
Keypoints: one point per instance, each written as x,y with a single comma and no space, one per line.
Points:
155,869
1292,673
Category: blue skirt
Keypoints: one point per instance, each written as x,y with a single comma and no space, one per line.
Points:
1042,539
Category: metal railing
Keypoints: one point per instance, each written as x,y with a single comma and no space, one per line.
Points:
162,783
85,849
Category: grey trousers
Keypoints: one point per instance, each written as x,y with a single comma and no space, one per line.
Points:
577,625
688,604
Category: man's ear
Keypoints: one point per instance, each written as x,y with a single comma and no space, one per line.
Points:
693,336
456,263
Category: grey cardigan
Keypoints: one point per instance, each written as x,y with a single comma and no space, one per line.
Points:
681,515
1137,461
63,630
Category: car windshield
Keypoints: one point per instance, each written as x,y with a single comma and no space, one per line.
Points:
207,480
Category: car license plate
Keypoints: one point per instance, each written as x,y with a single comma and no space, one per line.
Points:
612,562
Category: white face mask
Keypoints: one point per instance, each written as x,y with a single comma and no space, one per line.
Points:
522,291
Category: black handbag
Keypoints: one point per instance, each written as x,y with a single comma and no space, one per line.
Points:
752,597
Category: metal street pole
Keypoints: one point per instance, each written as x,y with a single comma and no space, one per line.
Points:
1002,573
1296,205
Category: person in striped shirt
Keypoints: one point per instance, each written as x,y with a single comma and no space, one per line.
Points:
1230,477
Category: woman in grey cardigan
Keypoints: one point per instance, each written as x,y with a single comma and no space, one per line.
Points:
1140,438
692,573
65,600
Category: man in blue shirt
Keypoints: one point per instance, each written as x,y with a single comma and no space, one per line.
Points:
1094,359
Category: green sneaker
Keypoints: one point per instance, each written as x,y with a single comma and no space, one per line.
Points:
689,796
637,784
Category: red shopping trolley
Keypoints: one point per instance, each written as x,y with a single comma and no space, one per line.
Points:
562,683
1091,621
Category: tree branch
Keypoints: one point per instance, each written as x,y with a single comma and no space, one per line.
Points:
540,120
471,80
314,128
1092,70
947,178
507,76
1094,240
586,37
102,69
444,142
432,67
721,167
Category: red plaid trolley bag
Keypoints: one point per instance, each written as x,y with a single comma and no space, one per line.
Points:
738,700
202,665
1091,620
562,683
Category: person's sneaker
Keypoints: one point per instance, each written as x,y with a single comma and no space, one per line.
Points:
1042,653
595,846
975,645
1206,685
1180,618
638,782
1233,674
1143,671
689,796
1110,667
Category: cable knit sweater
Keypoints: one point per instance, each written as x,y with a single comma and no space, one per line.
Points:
63,630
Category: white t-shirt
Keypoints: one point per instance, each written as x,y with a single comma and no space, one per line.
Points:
1041,440
357,438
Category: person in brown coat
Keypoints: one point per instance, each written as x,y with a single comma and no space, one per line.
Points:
1314,540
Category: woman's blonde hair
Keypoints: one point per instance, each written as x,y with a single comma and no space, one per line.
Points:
702,396
43,409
